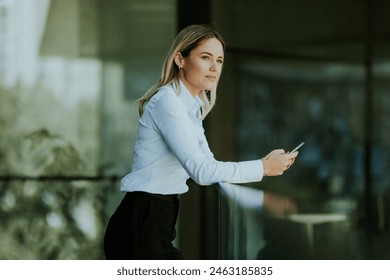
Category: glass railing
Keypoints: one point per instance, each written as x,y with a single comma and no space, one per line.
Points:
259,224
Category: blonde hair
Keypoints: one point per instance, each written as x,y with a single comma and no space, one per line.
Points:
187,39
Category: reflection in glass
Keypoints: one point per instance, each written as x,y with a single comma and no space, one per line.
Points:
285,102
69,74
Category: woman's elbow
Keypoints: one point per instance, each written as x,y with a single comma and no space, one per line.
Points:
202,181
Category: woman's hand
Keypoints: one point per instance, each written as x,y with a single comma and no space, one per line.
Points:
277,161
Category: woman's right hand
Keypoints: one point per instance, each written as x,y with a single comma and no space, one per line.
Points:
277,161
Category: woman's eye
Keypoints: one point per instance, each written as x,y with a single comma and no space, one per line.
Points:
205,57
220,61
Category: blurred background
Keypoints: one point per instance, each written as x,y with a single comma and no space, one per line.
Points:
314,71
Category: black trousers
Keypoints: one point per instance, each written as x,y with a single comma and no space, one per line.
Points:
143,228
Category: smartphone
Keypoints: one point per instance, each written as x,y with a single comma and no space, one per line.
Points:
297,147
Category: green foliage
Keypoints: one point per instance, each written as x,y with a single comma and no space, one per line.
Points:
44,219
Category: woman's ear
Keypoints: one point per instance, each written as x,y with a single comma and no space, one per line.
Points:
179,60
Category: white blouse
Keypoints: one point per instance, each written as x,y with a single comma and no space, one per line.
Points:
171,147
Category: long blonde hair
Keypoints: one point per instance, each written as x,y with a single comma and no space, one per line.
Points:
187,39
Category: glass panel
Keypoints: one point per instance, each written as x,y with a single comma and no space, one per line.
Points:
52,219
315,72
70,72
322,208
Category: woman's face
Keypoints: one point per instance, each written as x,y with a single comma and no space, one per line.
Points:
202,68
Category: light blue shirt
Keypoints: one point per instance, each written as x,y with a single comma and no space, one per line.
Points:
171,147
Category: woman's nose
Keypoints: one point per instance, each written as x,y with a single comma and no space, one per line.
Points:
213,66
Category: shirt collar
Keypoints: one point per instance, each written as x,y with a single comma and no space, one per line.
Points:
191,103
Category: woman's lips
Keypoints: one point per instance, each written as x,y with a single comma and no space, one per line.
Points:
212,78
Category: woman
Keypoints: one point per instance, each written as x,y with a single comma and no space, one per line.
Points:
171,147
